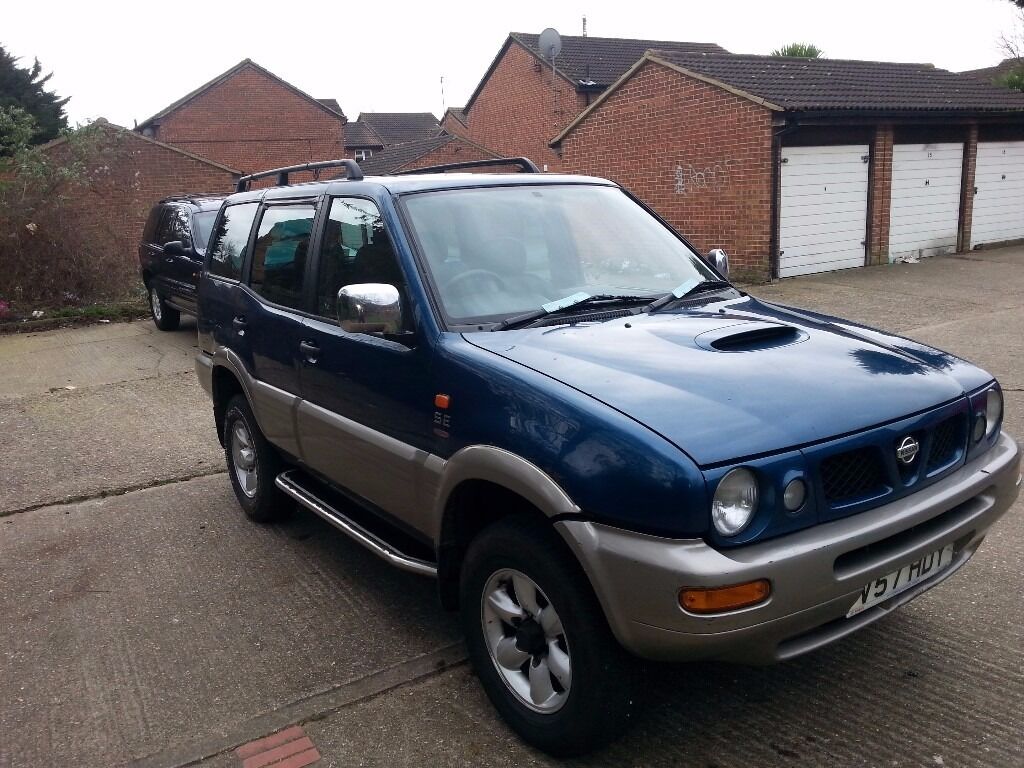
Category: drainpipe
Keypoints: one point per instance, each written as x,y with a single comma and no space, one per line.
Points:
776,181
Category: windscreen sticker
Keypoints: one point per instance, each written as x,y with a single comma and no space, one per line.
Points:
568,301
686,287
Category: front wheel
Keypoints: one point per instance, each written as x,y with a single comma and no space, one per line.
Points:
253,464
539,641
165,317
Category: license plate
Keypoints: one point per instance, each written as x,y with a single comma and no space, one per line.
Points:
881,589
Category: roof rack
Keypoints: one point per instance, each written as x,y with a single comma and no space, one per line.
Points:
525,163
355,173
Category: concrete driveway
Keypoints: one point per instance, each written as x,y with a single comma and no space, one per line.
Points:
144,621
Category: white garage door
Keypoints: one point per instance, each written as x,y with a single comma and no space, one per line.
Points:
824,208
999,204
925,213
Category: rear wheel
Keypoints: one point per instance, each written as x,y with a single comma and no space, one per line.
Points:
165,317
253,464
539,641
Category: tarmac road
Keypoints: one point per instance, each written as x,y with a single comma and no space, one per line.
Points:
145,621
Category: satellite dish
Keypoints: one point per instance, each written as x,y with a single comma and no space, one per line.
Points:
550,43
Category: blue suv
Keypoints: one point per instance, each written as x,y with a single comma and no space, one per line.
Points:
530,388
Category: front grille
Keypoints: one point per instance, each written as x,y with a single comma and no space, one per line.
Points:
852,475
947,440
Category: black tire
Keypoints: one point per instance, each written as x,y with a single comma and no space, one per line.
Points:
165,317
262,501
600,699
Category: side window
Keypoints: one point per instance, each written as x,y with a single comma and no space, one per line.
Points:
173,225
227,245
355,249
280,253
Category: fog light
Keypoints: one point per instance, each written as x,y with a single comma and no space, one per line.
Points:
718,599
794,495
980,426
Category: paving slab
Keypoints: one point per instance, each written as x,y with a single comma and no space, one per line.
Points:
134,623
33,363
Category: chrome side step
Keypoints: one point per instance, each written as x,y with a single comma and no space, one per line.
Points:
288,482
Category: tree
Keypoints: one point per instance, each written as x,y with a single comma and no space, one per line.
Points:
1012,44
25,88
802,50
16,130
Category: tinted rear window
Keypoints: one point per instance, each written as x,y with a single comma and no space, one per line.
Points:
202,225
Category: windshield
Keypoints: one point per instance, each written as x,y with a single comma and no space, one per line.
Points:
202,225
501,251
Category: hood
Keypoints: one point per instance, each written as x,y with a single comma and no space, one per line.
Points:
736,379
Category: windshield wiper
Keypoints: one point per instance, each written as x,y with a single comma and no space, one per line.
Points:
689,288
561,306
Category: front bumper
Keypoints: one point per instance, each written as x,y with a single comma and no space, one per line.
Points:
816,574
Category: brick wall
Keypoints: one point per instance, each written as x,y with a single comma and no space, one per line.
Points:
453,126
253,122
698,155
521,107
126,174
880,195
967,189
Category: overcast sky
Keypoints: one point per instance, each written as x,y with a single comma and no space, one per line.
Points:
126,61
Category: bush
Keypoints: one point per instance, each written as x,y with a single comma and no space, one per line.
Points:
52,251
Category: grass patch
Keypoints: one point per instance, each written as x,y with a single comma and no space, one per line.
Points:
43,318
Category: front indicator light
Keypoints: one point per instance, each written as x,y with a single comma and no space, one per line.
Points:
993,409
719,599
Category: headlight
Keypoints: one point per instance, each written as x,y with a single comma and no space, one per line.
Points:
993,410
735,502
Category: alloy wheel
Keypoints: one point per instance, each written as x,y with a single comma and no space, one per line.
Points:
243,457
526,641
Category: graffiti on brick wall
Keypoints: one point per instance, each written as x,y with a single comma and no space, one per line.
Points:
712,178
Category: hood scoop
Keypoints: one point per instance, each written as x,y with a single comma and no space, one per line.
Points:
749,337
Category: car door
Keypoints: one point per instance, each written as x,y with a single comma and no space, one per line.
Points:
270,312
186,266
367,408
159,264
180,268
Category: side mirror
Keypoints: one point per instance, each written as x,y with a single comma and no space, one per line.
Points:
176,248
370,308
719,259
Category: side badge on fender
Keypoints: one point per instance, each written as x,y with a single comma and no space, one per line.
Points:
442,419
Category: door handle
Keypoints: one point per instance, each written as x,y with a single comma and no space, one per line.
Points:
169,259
239,324
309,350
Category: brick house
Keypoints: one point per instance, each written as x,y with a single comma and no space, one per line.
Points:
372,131
421,153
806,165
211,121
455,121
522,101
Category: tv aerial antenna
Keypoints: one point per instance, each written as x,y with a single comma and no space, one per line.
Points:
550,46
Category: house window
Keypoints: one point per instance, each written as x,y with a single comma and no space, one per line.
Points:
363,154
